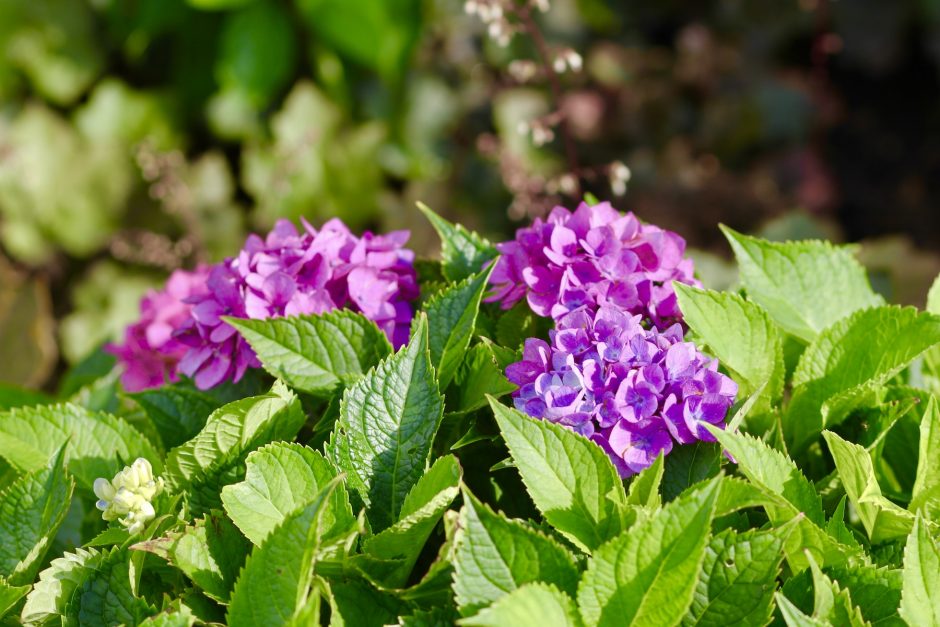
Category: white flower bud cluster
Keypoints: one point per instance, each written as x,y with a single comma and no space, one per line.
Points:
567,59
619,177
492,14
128,496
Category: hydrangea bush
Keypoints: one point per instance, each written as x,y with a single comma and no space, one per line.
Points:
563,429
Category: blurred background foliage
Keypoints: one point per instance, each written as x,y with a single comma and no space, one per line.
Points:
137,136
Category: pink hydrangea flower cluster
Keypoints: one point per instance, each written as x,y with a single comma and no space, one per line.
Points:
149,352
592,257
291,272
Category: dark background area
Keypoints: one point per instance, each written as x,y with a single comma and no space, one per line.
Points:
137,136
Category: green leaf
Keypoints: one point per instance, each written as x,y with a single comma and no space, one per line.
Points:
377,34
423,507
775,472
386,425
86,588
463,252
848,361
740,334
98,444
927,480
257,52
496,555
275,584
452,316
356,604
648,575
687,465
231,432
920,595
31,510
876,591
531,605
790,495
883,520
482,373
832,603
570,479
316,354
281,478
738,578
10,595
805,286
792,615
210,552
644,489
12,396
175,615
178,411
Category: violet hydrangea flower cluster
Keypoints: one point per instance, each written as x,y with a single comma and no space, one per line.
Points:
292,272
592,257
618,369
634,391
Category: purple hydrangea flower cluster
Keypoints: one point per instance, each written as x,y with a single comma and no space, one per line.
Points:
289,273
593,257
634,391
150,353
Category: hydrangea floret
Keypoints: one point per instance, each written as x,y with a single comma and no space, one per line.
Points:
592,257
149,353
128,497
635,391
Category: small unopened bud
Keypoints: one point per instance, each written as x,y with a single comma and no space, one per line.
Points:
568,183
470,7
619,177
541,5
542,135
574,60
523,70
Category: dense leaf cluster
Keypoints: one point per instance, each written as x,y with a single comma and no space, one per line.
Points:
357,486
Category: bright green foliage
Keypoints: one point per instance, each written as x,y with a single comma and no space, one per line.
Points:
740,334
832,603
452,316
738,579
316,354
231,432
926,490
883,519
210,552
275,584
774,472
280,479
647,576
31,510
920,597
387,422
401,543
356,604
177,411
86,588
482,374
849,360
463,252
570,479
10,595
876,591
530,605
99,444
644,489
805,286
496,555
